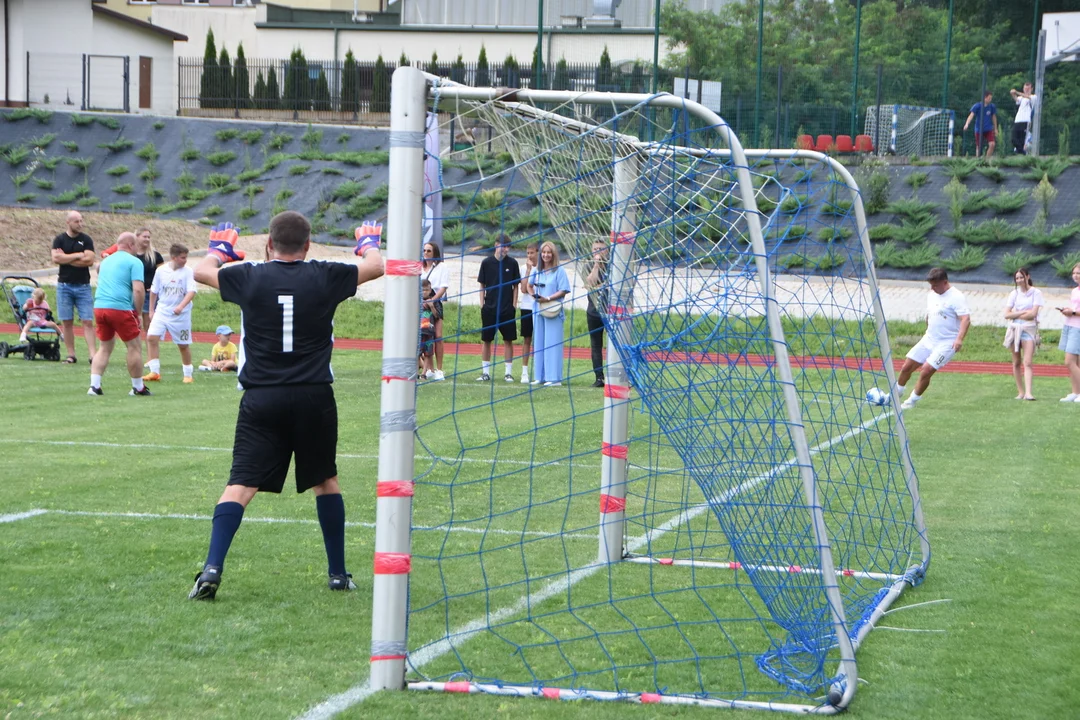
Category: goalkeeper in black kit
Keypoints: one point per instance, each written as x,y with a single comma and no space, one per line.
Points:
288,408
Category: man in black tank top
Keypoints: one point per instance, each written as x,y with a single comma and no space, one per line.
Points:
286,337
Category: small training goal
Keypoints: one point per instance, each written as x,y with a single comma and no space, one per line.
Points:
721,524
909,130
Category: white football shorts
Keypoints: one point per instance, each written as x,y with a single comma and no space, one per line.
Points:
178,326
936,353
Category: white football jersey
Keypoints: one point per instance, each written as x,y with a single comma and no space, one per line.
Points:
943,313
171,286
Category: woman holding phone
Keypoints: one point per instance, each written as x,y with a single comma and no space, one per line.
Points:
1070,338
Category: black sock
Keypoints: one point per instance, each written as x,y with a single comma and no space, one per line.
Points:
227,517
331,509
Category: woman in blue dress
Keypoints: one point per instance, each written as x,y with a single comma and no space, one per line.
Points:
548,283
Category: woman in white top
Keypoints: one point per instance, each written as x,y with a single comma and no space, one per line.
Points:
1022,311
436,273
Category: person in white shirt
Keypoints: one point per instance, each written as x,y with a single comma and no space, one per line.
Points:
947,322
170,311
1022,311
1025,106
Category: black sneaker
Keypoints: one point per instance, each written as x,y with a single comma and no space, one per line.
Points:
599,383
94,391
145,391
342,582
206,584
484,377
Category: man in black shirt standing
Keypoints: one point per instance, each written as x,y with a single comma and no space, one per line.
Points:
288,408
73,251
499,278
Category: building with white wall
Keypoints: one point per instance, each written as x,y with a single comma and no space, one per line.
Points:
75,54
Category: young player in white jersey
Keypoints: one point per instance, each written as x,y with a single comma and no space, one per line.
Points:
170,311
947,322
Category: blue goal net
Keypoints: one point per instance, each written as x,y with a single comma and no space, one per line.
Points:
719,521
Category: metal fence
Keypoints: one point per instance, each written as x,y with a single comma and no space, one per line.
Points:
792,101
87,82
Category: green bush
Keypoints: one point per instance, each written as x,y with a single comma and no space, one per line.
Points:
149,174
88,201
279,140
1063,267
118,145
125,189
189,153
992,173
347,190
917,179
299,169
148,152
216,181
70,145
890,254
222,157
966,258
1007,202
107,122
226,135
43,184
1011,262
81,120
126,205
214,211
912,208
41,142
958,168
117,170
25,197
251,137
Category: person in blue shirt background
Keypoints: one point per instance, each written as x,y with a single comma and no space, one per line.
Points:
985,116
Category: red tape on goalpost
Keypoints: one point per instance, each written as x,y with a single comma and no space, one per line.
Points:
387,563
394,488
404,267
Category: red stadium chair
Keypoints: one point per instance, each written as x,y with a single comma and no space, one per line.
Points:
824,143
844,144
863,143
804,142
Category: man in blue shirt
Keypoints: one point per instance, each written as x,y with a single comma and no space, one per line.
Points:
120,294
985,116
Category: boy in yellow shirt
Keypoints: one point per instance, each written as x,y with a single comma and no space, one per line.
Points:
222,354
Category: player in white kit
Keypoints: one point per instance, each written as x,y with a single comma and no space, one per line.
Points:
170,311
947,321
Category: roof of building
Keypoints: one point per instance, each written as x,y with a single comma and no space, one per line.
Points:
141,24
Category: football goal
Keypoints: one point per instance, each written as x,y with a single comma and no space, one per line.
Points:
909,130
724,521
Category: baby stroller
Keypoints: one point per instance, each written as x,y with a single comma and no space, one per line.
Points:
41,342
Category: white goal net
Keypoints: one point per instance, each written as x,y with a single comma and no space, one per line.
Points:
911,130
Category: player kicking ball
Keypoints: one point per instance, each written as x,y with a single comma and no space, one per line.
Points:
288,410
947,322
171,295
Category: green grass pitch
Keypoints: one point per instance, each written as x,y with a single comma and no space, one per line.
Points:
94,620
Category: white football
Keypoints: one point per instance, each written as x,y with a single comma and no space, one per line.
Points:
877,396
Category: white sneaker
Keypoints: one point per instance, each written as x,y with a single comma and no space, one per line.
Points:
553,384
524,379
907,405
1071,397
203,368
428,374
484,377
509,378
1077,400
536,382
439,375
22,339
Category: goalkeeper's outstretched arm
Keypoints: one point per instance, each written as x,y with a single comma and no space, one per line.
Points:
222,250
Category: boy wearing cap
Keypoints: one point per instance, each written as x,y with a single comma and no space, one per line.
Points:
223,354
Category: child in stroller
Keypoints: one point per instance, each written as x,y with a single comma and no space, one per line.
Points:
40,335
38,316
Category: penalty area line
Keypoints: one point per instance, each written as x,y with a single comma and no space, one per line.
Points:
462,634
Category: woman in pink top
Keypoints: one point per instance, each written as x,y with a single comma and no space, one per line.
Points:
1070,338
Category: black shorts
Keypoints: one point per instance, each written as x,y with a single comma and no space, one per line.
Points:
275,423
526,323
506,325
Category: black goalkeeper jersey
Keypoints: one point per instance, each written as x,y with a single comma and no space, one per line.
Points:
286,318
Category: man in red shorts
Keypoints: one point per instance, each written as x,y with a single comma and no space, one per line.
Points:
120,294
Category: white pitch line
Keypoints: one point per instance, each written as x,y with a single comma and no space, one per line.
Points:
286,521
21,516
429,653
203,448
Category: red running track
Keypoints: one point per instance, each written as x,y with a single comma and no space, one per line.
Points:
578,353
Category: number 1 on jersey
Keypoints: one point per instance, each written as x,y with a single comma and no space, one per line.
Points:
286,302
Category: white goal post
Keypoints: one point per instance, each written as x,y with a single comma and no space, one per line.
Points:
747,290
